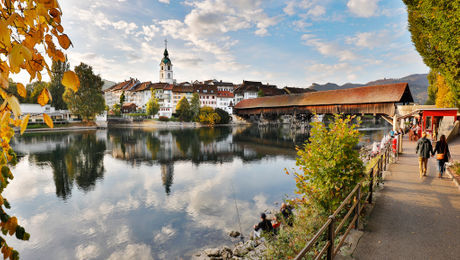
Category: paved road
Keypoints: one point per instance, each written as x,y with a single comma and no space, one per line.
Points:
414,218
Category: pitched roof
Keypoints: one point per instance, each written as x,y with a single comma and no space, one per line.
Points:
227,94
182,88
201,88
125,85
391,93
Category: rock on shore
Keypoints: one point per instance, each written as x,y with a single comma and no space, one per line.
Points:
251,249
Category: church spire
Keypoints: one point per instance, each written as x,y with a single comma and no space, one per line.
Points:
166,72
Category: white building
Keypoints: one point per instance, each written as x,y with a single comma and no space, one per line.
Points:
225,101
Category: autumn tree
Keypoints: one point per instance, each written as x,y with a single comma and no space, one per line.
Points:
29,30
329,164
183,110
195,106
88,101
435,32
444,95
208,116
56,88
152,105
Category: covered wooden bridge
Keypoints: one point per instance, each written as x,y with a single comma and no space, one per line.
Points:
375,100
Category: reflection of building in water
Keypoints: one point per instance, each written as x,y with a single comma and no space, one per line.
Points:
167,176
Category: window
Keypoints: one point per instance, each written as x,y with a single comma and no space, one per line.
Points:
169,67
162,68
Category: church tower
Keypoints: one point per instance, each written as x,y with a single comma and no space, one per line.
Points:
166,72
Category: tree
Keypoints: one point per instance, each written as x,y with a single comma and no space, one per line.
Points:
152,105
56,88
432,89
260,93
223,115
122,99
183,110
444,96
28,32
36,89
88,101
435,33
329,164
208,116
195,106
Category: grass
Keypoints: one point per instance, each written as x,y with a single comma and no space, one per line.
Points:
456,168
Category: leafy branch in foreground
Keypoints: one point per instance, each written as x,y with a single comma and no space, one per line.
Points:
26,27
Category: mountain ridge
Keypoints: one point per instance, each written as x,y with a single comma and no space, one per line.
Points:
418,84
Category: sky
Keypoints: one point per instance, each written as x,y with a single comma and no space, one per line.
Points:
288,43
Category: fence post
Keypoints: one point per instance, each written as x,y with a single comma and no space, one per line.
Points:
330,237
371,184
358,205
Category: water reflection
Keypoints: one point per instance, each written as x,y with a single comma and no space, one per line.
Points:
158,194
73,158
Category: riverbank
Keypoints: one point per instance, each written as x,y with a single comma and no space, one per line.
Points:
154,124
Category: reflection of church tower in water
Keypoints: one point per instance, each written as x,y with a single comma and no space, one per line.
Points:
166,72
167,175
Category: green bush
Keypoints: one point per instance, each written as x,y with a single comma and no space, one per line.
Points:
329,164
224,116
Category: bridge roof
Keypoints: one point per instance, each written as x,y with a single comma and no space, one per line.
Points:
390,93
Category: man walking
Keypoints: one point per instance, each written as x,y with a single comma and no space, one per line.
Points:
424,150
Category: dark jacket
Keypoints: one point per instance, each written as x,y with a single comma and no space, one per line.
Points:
424,148
265,225
442,148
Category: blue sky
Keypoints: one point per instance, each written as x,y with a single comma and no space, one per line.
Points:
293,42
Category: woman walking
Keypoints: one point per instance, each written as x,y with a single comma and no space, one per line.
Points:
442,154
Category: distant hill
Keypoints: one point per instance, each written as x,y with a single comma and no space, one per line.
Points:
418,84
107,84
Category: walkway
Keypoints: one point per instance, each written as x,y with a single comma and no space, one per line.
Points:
414,218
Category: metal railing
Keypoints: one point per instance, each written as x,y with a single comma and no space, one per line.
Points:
357,198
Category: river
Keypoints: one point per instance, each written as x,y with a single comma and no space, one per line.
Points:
142,193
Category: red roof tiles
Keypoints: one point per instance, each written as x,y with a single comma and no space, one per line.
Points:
391,93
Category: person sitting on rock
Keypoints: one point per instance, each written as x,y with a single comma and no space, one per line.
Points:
276,225
265,225
287,214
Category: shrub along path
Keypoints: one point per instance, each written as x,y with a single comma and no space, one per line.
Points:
414,218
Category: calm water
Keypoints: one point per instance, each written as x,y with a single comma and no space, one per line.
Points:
141,194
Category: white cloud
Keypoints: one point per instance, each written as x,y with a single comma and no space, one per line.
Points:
290,8
90,251
363,8
164,1
316,11
328,49
167,232
370,40
322,73
133,251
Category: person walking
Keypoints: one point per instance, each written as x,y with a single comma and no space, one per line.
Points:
424,150
442,154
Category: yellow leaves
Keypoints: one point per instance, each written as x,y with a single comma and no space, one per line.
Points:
13,103
24,123
70,80
48,121
21,90
64,41
44,97
19,53
5,33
